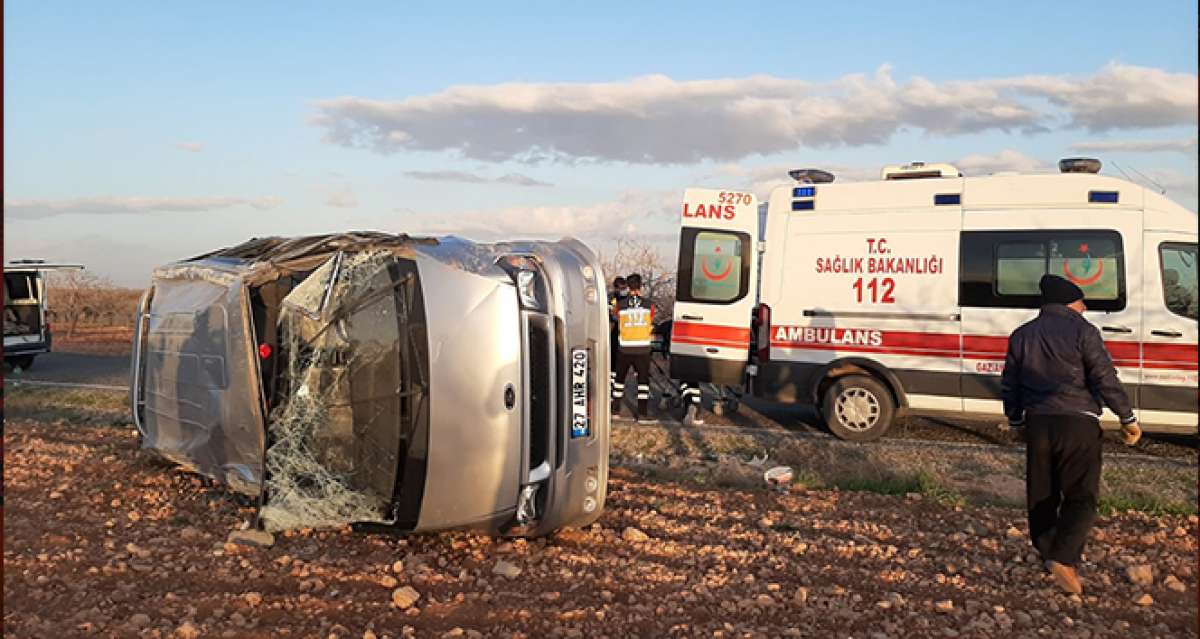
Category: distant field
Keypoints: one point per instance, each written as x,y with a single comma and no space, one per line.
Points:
95,339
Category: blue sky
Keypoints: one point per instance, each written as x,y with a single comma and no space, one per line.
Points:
137,133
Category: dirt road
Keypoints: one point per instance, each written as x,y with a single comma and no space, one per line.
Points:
103,540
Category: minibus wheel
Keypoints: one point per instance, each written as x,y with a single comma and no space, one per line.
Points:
23,362
858,408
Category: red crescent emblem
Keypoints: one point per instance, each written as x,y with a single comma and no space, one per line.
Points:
716,277
1083,281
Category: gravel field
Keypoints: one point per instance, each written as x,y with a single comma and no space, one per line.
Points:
103,540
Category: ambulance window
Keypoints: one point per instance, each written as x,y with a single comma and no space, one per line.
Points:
714,266
1091,263
1001,269
1178,263
1019,266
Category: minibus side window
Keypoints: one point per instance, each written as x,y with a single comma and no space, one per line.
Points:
714,266
1001,269
1178,263
18,286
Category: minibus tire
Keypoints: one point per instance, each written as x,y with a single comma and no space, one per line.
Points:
865,412
23,362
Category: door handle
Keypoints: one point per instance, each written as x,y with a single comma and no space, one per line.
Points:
1116,329
695,318
1167,333
712,350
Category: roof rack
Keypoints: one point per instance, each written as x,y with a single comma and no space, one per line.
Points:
918,171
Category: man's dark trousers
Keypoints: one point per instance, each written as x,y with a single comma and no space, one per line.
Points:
637,358
1062,483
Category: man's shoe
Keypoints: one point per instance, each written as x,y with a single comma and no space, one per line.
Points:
692,417
1065,577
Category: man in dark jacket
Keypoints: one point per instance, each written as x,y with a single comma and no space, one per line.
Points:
620,292
1057,378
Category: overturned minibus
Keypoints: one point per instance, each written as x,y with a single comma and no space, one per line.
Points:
383,380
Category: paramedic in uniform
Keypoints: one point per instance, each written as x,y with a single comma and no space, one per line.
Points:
634,315
619,292
1057,378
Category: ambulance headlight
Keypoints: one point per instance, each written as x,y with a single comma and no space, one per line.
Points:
528,288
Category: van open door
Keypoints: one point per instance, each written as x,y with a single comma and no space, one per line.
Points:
715,286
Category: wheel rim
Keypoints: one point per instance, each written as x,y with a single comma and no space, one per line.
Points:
857,409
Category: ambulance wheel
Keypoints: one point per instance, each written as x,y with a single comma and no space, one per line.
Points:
858,408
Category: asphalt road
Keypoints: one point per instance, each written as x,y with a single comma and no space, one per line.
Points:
75,368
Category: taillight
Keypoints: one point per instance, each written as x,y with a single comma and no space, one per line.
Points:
264,351
764,332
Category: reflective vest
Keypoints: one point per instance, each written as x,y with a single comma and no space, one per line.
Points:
635,321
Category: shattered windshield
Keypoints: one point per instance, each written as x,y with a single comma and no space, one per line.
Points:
335,437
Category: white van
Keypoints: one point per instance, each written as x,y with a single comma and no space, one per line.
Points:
26,325
900,294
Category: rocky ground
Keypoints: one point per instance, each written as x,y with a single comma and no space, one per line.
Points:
103,540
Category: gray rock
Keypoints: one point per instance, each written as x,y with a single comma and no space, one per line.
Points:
255,538
404,598
633,534
1141,575
506,569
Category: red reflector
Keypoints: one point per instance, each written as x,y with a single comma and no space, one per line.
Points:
264,350
764,333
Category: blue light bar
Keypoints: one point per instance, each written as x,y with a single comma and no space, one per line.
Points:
802,205
804,191
942,199
1107,197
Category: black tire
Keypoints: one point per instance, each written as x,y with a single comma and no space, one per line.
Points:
23,362
858,408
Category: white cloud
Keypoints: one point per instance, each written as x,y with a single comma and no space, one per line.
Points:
447,176
1007,160
108,205
655,119
1120,96
518,179
194,147
514,179
343,198
1185,146
604,220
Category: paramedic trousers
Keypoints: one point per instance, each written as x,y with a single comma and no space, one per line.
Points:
1062,483
689,394
639,360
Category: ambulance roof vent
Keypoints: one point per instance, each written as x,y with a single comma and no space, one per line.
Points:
811,176
1079,165
918,171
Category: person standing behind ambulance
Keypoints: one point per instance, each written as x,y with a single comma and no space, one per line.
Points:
1057,378
635,321
619,292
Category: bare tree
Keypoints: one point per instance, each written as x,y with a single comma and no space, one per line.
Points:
636,255
76,297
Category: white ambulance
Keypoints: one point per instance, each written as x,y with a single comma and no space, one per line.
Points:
867,299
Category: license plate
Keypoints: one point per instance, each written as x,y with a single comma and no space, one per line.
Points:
579,393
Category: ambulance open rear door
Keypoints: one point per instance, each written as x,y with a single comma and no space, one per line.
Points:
715,292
